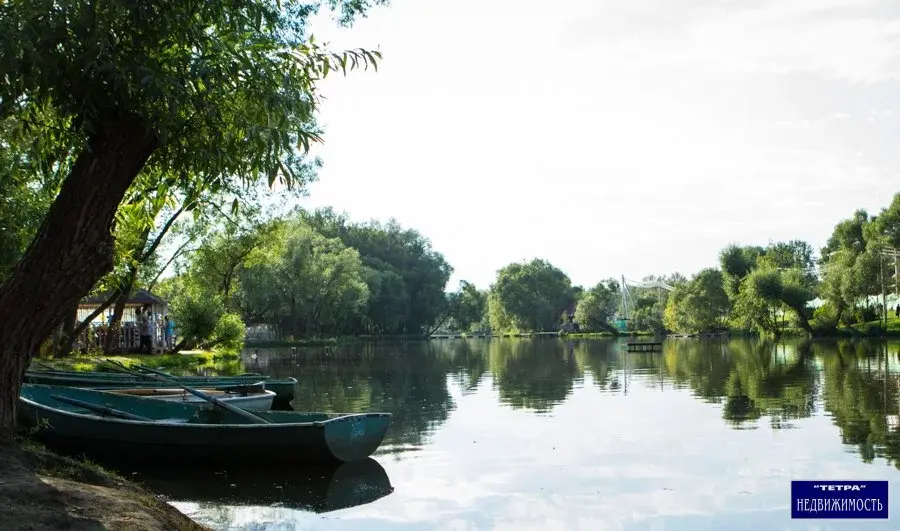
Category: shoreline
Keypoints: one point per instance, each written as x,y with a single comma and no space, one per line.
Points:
793,334
41,490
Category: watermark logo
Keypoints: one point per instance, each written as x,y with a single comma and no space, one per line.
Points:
839,499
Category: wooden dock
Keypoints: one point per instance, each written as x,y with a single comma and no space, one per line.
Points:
644,346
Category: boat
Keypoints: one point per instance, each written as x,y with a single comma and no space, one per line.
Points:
100,423
255,398
284,389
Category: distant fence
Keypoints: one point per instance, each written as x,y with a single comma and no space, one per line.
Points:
127,338
263,332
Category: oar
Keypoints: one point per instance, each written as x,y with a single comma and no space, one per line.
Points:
120,368
156,375
100,409
44,365
239,388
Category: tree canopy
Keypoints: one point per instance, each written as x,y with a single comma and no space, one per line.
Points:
128,99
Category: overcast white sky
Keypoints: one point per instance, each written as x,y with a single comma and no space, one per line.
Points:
614,137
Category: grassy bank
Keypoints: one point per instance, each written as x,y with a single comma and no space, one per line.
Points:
871,329
185,361
44,491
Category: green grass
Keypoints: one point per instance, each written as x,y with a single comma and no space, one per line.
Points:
187,360
872,328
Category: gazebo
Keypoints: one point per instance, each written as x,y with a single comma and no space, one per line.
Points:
138,300
129,337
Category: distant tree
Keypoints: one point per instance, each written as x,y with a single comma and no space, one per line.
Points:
597,306
470,308
529,297
699,305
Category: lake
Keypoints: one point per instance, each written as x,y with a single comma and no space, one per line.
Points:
554,434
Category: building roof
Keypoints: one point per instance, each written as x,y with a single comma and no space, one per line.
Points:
139,297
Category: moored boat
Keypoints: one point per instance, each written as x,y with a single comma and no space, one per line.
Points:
284,389
254,398
95,423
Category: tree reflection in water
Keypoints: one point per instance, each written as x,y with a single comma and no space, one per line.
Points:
751,380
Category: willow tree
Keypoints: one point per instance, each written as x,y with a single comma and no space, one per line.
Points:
188,91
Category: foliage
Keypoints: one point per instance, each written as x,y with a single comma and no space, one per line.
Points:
596,307
736,263
183,70
303,281
469,307
300,271
529,297
852,261
196,313
228,333
758,303
405,276
700,305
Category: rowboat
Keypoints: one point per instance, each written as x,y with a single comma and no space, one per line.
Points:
283,388
252,399
98,423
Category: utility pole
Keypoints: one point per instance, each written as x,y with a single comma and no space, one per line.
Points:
883,296
895,254
890,253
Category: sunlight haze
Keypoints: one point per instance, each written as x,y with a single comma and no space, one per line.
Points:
617,137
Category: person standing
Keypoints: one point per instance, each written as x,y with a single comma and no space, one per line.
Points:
170,332
146,330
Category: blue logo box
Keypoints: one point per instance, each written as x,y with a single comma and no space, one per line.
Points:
839,499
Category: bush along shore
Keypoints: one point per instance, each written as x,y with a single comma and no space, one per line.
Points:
40,490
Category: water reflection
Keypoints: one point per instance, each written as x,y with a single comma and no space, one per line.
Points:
316,489
536,375
565,434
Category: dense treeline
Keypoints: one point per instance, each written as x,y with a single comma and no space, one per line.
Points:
766,289
315,274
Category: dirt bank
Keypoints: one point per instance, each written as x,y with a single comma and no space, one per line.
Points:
42,491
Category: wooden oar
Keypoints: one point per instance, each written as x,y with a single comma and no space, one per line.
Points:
238,388
101,409
44,365
156,375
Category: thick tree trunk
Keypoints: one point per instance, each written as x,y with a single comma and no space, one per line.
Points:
72,250
68,334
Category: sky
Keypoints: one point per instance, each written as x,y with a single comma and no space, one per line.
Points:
612,137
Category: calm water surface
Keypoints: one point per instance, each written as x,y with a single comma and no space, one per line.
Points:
553,434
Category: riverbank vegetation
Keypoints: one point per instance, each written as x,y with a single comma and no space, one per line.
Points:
778,288
368,279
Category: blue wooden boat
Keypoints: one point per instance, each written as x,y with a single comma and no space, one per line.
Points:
91,422
284,389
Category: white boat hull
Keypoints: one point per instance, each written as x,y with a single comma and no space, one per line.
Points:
251,402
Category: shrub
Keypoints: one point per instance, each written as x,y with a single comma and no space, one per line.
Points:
196,315
228,333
